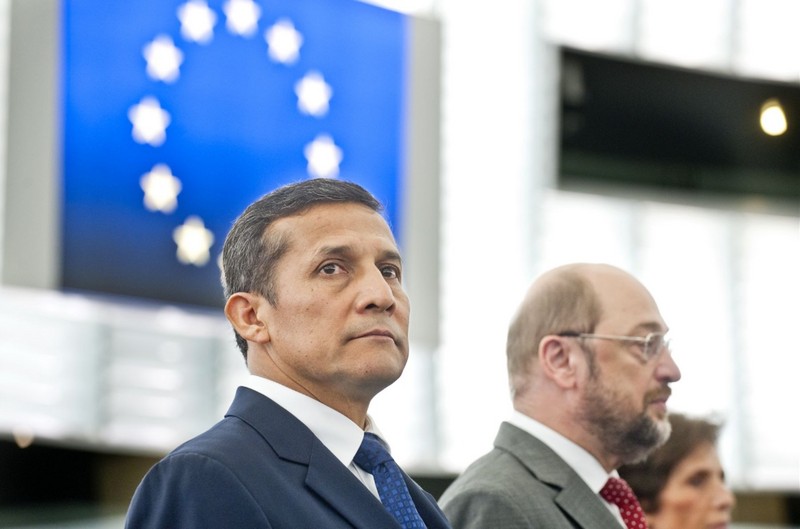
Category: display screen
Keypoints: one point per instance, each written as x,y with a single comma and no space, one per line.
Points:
178,114
663,131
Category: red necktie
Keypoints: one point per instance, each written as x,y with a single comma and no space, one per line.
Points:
618,492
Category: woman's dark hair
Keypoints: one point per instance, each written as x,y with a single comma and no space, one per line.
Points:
648,478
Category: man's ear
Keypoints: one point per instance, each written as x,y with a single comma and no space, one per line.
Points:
557,361
243,310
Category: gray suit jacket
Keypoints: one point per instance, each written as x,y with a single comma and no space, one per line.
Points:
522,484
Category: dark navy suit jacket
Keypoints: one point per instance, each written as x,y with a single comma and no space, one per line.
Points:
260,467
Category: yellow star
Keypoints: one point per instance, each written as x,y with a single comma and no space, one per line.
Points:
313,94
149,121
323,157
161,189
194,241
242,17
197,21
163,59
283,42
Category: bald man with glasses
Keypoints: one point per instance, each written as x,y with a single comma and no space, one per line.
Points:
590,370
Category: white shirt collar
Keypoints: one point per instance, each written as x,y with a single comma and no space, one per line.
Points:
582,462
338,433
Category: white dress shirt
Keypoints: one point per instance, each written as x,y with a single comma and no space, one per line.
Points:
582,462
338,433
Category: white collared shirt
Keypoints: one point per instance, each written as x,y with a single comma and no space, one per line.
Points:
582,462
338,433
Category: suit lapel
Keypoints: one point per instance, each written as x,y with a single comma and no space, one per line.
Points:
332,481
357,504
326,476
573,495
578,501
426,506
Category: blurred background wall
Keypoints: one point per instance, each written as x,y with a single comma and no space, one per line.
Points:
514,158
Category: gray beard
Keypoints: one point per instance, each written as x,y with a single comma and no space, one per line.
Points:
629,439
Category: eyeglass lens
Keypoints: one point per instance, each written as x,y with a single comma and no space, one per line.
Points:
655,342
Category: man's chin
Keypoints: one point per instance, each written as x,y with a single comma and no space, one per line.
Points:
383,375
649,434
664,429
660,430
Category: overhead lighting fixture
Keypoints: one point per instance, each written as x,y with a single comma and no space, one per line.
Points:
23,435
773,118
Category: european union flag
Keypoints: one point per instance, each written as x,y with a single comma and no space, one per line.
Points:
178,114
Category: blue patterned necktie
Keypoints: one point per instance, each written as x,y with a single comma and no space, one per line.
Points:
373,457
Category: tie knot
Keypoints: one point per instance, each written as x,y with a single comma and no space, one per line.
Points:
618,492
616,489
371,453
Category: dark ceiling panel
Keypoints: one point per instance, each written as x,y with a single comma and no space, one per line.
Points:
633,125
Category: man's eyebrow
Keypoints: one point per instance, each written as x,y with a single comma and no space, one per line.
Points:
340,250
347,251
650,327
391,255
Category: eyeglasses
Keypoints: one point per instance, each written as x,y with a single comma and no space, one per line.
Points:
650,346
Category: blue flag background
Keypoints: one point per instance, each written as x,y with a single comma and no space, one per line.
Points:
234,133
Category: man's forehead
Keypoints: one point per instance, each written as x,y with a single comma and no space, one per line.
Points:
624,300
323,227
330,211
323,214
628,313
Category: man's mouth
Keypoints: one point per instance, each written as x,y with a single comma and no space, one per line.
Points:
376,333
661,396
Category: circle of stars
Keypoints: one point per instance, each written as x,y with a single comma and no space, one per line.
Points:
150,121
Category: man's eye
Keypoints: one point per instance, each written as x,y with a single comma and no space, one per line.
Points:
330,268
391,272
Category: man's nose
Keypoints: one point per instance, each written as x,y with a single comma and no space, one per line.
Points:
667,369
375,293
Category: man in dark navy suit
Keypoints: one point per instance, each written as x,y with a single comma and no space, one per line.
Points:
312,278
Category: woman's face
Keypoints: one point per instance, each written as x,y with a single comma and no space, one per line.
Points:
695,496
